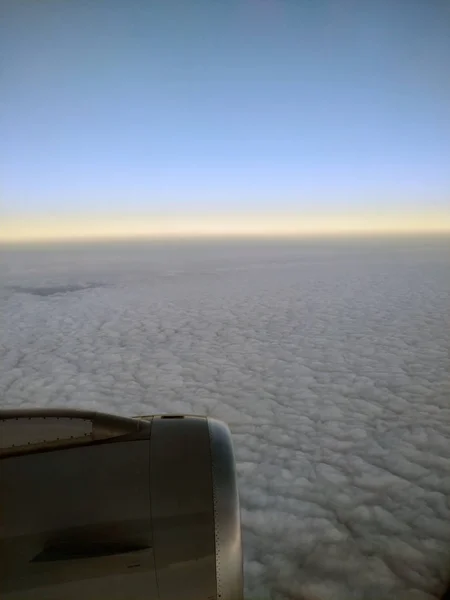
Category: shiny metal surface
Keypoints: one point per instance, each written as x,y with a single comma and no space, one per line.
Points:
182,508
229,565
104,507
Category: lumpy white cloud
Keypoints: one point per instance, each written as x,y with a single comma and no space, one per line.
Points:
329,362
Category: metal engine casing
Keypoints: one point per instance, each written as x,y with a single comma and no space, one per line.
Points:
96,506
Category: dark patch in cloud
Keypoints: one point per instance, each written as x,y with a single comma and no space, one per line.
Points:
54,290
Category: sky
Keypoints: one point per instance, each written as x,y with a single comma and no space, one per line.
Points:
167,117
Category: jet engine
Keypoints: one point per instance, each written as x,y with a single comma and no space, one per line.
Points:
96,506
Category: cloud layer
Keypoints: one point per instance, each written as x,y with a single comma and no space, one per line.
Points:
329,361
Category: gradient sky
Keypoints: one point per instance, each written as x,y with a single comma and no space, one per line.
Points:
194,107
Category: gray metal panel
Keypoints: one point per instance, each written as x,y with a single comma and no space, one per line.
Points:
116,578
52,500
25,431
229,567
182,509
85,497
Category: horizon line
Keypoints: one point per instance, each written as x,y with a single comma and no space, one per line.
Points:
350,234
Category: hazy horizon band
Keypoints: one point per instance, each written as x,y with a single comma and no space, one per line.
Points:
102,227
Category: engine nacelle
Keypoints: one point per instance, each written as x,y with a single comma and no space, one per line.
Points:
97,507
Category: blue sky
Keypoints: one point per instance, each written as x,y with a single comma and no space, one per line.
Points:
224,105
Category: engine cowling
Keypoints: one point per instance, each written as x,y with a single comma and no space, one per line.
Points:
96,506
